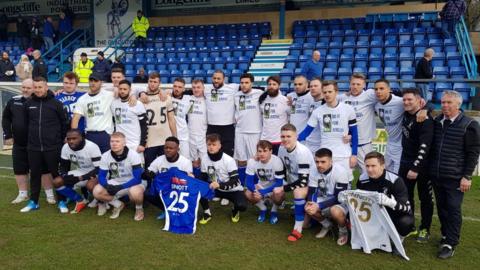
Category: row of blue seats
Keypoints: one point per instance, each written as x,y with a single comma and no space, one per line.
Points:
174,60
367,25
386,56
212,33
376,43
192,49
220,43
344,73
201,54
190,66
201,27
367,32
204,38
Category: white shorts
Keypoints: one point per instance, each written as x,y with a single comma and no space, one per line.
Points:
245,145
326,211
197,147
124,192
344,162
184,148
393,155
361,153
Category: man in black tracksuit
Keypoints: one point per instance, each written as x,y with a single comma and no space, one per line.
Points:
453,157
47,125
416,141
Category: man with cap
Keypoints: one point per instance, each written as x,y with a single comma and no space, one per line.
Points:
95,108
102,66
83,68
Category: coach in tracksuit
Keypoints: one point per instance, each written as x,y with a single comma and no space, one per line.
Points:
453,157
416,141
47,125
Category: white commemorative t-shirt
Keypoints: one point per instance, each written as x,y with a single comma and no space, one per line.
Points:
96,111
181,108
266,172
325,183
157,120
275,113
197,117
127,120
315,138
84,160
120,172
391,115
299,161
300,110
161,164
218,170
220,104
247,112
364,106
334,124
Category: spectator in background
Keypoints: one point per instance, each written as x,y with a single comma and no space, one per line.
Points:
24,68
102,66
48,33
7,69
140,26
35,35
68,12
3,27
451,13
64,26
141,77
313,68
424,70
83,68
118,64
23,33
39,66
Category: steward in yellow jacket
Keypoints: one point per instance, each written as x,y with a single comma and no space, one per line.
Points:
83,69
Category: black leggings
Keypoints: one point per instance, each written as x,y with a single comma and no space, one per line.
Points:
236,197
41,162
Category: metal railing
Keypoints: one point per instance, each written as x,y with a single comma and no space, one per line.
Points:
466,49
120,41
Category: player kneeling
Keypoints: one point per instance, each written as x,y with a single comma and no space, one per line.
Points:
120,175
83,156
326,182
220,170
298,161
268,170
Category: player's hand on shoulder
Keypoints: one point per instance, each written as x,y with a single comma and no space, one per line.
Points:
58,92
411,175
132,101
140,149
214,185
143,98
353,161
422,115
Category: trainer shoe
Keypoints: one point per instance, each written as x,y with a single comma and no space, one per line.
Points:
93,203
51,200
446,251
102,209
20,199
323,232
62,206
79,207
262,216
161,215
31,206
412,234
224,202
139,215
116,211
205,218
294,236
273,218
423,236
235,216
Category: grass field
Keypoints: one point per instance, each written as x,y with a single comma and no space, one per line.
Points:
45,239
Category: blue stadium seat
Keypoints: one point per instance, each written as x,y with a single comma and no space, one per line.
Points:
407,72
232,63
344,73
406,46
391,46
219,63
458,72
199,74
344,86
188,76
454,59
438,59
243,63
441,72
375,73
286,75
391,73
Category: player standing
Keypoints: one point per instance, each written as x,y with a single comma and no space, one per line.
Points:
248,120
197,125
313,142
275,111
181,106
301,102
70,95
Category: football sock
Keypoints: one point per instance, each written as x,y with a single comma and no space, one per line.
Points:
242,174
207,212
274,208
69,193
299,214
138,206
115,203
23,193
49,193
342,230
261,205
204,203
326,223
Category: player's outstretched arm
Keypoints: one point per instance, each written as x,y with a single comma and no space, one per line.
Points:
75,119
305,133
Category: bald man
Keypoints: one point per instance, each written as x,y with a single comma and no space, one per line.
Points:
313,68
424,70
15,129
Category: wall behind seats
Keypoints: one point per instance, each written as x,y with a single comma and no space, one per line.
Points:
291,16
